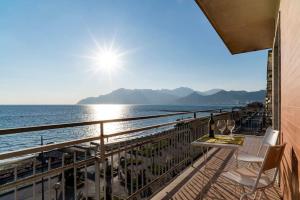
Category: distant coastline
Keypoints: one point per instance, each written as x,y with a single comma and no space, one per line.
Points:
178,96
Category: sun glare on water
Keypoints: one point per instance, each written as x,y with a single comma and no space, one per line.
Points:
109,111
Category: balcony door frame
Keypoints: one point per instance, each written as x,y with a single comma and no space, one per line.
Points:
276,76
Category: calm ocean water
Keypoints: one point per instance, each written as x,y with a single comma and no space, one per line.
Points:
22,116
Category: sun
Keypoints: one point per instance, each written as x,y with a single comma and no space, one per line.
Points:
106,58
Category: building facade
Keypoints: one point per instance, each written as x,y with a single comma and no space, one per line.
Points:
251,25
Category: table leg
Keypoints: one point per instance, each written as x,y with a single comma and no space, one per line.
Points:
237,155
205,158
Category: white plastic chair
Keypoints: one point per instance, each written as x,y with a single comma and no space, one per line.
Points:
258,180
269,139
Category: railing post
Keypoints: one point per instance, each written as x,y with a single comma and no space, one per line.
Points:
126,171
119,157
131,170
111,175
97,179
15,179
33,173
43,162
102,154
97,164
49,178
86,183
75,175
63,178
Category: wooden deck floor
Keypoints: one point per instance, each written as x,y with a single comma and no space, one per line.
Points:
196,182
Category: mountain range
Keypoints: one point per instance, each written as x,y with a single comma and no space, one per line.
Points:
181,95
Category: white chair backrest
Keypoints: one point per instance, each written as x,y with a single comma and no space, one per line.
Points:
271,137
269,130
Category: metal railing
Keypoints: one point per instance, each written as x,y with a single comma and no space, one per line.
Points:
131,169
253,123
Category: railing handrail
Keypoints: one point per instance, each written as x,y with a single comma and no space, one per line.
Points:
101,136
86,123
49,147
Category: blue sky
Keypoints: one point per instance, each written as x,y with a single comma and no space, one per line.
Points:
44,47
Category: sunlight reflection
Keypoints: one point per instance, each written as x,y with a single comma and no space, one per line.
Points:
110,111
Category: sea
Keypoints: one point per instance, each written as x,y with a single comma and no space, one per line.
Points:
16,116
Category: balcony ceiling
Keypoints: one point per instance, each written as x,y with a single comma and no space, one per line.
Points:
243,25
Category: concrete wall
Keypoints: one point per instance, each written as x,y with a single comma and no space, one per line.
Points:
290,96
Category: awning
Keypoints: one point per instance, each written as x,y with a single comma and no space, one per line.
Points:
243,25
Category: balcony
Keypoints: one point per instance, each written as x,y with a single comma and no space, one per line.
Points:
196,182
159,165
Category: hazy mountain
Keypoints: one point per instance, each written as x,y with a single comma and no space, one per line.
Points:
209,92
127,96
180,95
179,92
223,97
